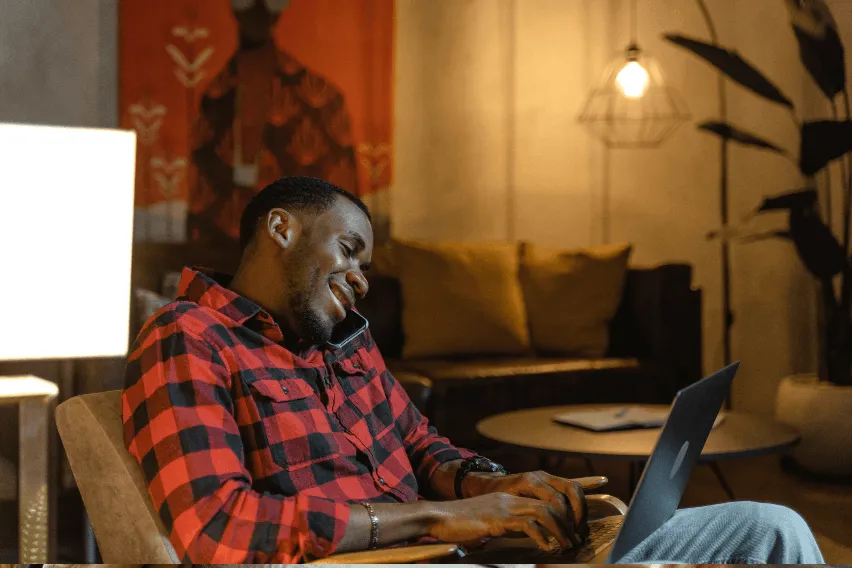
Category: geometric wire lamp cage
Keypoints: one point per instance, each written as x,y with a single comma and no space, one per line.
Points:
632,106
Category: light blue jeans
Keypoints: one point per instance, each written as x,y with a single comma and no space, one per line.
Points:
730,533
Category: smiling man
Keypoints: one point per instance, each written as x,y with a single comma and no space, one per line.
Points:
263,443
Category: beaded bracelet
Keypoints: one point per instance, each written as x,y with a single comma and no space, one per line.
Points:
374,526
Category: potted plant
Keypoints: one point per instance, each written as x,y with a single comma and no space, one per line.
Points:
819,405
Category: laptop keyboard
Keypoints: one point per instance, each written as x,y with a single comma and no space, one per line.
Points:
604,530
601,533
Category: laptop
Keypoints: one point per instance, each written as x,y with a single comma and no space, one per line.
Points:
657,495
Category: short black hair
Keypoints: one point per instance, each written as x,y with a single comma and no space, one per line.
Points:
296,193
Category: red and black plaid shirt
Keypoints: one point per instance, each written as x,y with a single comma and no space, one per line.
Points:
253,451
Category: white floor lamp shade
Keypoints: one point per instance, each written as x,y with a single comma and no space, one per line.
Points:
66,230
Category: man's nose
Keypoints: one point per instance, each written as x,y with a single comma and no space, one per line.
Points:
358,281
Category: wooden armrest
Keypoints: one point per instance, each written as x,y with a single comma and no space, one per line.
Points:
602,505
403,555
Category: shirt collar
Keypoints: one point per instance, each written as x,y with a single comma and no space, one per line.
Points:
208,289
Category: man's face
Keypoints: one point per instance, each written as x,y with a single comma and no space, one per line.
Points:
324,271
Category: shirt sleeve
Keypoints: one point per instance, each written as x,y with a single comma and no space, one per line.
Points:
179,425
427,450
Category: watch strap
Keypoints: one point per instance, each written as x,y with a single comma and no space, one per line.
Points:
478,464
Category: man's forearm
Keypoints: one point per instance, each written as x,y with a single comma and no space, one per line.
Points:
398,522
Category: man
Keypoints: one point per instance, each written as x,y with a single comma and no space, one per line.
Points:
262,444
263,116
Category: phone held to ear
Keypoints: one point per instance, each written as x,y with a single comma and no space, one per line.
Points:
351,327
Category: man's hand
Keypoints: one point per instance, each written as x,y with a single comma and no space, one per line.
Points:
565,495
498,514
544,507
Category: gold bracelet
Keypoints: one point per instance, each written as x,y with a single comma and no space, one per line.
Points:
374,526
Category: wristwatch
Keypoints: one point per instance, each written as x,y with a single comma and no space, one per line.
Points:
477,463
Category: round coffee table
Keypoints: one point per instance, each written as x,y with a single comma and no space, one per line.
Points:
739,435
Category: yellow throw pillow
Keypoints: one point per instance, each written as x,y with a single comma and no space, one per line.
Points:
461,299
572,295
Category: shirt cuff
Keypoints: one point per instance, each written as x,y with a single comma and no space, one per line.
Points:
320,526
433,461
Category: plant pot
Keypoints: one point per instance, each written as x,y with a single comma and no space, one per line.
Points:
821,412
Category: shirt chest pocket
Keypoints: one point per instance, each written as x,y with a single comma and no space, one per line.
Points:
292,422
364,391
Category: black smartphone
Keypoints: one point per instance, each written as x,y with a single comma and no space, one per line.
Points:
351,327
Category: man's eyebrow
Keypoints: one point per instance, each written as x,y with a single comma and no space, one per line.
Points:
359,240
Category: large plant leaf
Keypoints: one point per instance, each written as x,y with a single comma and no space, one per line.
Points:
817,246
824,60
823,141
820,47
783,235
800,200
734,66
729,132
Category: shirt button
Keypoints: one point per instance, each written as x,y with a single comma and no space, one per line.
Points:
284,389
382,481
356,365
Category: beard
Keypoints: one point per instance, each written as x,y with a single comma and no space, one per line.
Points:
311,324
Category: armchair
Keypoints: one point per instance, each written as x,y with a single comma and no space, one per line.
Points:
126,525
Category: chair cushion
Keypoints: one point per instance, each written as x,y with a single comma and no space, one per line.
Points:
461,299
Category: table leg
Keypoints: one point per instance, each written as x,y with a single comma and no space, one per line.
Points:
33,481
636,469
631,478
722,481
589,466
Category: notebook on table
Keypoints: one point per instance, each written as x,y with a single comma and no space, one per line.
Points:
624,418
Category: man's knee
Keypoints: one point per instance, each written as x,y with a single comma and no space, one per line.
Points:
782,530
767,516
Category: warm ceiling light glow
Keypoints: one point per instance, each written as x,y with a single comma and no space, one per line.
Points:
633,80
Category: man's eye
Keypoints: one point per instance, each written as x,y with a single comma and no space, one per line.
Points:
346,250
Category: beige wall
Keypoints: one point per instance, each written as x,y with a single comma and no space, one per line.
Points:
488,147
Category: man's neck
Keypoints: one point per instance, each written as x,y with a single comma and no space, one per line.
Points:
248,282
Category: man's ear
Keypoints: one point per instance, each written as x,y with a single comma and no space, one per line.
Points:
283,227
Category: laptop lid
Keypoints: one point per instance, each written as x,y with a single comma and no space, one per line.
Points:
677,451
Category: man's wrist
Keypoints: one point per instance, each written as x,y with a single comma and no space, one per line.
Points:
429,515
478,483
474,464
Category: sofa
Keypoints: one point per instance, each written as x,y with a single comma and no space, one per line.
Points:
654,350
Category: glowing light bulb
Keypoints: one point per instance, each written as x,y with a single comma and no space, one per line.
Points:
632,80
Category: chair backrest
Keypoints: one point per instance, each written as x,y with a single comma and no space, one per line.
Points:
126,525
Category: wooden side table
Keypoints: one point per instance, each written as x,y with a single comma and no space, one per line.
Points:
35,399
739,435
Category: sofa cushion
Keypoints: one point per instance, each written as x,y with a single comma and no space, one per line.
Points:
572,295
461,299
469,370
